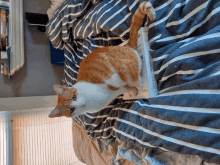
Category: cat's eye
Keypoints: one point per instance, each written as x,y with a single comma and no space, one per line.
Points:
74,97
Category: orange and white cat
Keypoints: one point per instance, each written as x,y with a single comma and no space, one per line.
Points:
104,74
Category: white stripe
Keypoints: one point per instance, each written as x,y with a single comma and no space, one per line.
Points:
72,6
85,29
70,53
64,31
183,72
123,43
68,57
65,38
74,31
96,25
94,112
68,82
165,55
57,24
116,25
56,18
79,30
82,52
79,120
185,56
90,34
192,29
96,117
64,24
85,47
194,91
74,51
59,9
55,28
215,74
133,5
63,47
69,76
154,38
71,68
55,37
104,6
97,46
136,139
189,15
123,133
112,16
214,35
95,12
166,138
106,39
187,39
125,17
162,91
58,44
164,5
75,14
160,58
125,32
85,17
165,122
185,109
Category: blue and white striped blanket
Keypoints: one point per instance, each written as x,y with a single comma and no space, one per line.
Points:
185,47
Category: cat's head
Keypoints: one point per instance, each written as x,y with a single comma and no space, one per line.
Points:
66,96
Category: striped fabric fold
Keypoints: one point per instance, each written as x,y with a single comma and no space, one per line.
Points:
184,42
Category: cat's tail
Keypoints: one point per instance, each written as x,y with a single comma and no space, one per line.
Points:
145,8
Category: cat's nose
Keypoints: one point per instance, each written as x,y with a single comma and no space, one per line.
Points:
72,110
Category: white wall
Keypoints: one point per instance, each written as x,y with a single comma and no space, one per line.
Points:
36,6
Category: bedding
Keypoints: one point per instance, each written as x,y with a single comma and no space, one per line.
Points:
184,43
53,7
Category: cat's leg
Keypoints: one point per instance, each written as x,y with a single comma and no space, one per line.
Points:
145,8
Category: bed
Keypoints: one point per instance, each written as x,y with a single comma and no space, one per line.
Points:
182,124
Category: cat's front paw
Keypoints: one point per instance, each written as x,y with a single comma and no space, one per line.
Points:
134,92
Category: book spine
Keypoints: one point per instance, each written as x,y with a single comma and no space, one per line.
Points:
149,81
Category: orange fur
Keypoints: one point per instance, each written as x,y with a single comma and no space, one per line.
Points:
96,67
101,65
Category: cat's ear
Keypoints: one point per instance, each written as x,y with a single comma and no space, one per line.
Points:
55,113
59,88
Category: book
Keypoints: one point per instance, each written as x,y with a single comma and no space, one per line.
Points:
148,88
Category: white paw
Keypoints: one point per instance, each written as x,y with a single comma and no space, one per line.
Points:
133,92
147,8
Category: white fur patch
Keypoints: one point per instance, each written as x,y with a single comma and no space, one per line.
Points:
94,96
115,81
